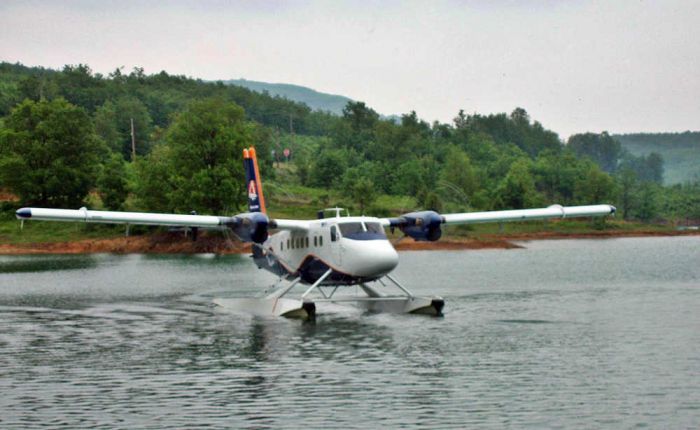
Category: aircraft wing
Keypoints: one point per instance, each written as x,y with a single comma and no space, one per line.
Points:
290,224
419,221
110,217
147,218
554,211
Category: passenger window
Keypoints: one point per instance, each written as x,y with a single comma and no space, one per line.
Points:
320,241
282,246
315,241
306,239
334,234
287,243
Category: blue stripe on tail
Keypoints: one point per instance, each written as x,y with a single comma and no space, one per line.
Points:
251,186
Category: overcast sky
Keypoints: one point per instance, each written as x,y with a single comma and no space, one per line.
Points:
575,66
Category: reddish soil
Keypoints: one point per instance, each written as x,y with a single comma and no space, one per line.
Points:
455,244
174,243
6,196
162,243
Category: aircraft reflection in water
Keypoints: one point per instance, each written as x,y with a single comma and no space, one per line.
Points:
322,255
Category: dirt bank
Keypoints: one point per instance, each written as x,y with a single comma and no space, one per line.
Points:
174,243
161,243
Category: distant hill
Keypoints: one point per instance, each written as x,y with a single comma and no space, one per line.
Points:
681,152
312,98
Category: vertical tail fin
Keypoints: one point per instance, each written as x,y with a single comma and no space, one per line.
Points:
256,200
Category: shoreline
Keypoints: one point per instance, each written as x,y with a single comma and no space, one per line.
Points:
173,243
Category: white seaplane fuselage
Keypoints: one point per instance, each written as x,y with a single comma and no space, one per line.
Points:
356,249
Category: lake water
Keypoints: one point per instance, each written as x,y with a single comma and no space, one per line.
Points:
562,334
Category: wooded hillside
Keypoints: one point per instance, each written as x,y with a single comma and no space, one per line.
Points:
188,137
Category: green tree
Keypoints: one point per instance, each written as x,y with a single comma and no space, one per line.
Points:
627,183
37,87
594,186
112,184
363,193
556,175
655,168
49,153
648,198
413,175
648,168
106,121
359,187
359,116
329,168
356,128
113,124
199,166
517,189
459,176
154,185
601,148
79,86
303,167
429,200
514,129
680,203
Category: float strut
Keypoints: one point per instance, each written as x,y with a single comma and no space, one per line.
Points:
286,290
408,293
317,283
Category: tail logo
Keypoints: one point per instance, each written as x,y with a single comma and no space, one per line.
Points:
252,191
256,200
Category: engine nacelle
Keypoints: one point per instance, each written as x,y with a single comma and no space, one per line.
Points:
421,226
250,226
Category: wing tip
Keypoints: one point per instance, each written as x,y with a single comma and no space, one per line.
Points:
23,213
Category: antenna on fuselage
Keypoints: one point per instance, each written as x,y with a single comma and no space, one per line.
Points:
335,210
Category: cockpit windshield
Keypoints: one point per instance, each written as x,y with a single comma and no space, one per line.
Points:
348,228
362,231
374,227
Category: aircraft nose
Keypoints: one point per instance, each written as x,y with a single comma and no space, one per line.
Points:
378,259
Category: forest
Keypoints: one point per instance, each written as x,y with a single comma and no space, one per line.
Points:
66,141
680,152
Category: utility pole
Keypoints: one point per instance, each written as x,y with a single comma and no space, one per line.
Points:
133,141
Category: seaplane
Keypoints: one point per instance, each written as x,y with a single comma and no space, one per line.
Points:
314,260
